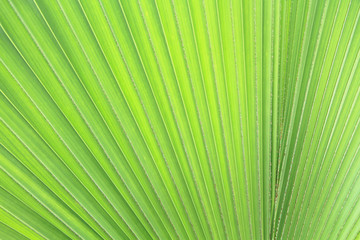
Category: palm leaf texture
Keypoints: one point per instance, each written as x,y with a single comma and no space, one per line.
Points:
179,119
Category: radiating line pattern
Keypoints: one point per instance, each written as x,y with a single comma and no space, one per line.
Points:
179,119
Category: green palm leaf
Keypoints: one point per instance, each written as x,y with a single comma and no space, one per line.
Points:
179,119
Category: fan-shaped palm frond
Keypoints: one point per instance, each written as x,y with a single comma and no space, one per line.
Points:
179,119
